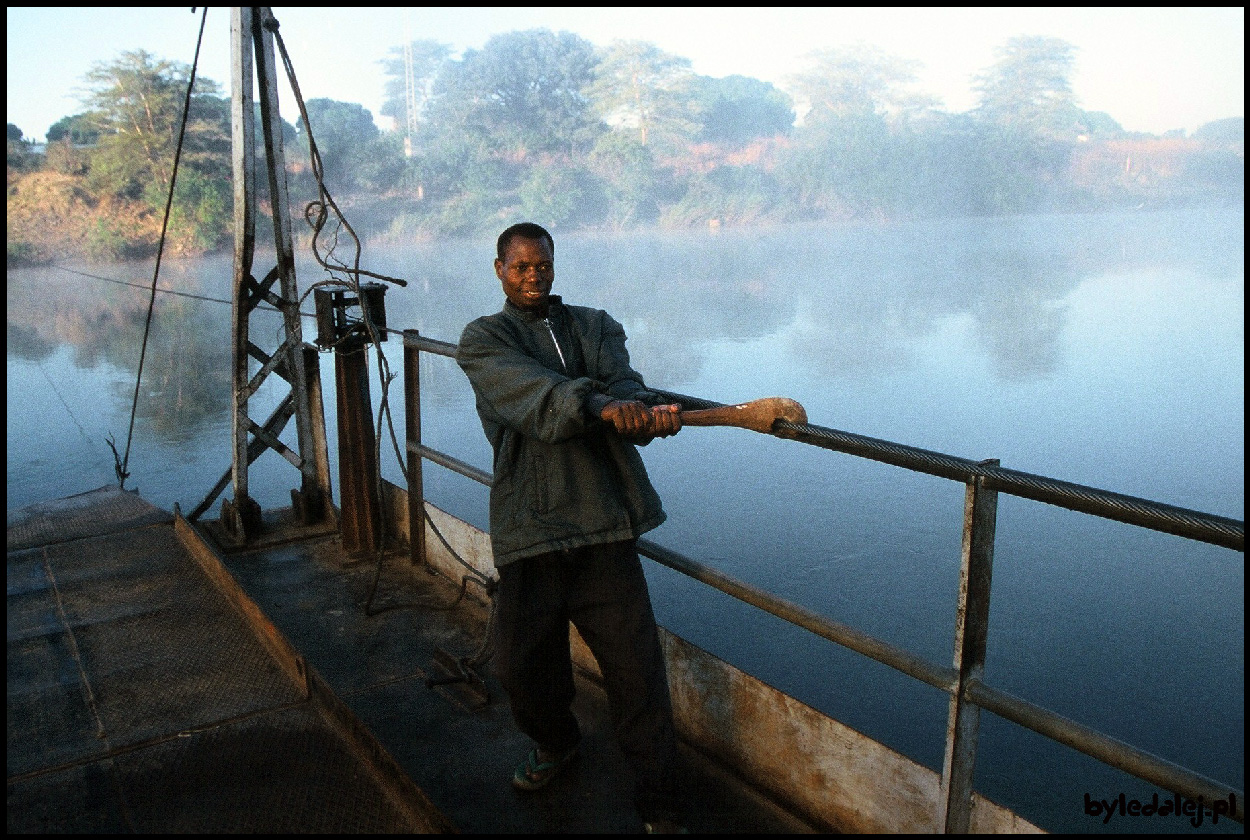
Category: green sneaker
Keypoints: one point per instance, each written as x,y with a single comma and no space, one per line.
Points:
534,774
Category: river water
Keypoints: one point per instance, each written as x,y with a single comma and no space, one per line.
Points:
1106,350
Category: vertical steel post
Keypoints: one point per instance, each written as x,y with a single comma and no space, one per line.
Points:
358,472
312,484
253,61
971,627
412,427
244,154
318,509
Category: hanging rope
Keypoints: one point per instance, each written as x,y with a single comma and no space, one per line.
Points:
119,466
324,200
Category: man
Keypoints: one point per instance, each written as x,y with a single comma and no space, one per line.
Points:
564,412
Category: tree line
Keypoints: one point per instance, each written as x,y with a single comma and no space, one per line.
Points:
550,127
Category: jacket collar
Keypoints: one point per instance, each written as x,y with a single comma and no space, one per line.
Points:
553,304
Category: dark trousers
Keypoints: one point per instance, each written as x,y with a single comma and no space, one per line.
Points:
601,589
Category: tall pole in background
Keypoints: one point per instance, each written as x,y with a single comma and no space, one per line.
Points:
410,96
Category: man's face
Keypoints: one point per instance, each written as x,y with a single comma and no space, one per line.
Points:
527,272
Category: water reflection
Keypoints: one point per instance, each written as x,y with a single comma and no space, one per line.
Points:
25,342
1023,330
890,289
675,294
856,300
186,379
858,303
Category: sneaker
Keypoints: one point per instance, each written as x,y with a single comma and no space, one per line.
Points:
534,774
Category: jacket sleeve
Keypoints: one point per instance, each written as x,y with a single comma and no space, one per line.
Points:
609,364
517,391
615,378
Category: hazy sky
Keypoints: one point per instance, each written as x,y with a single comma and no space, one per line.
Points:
1152,69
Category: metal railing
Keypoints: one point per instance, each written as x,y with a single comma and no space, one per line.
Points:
963,680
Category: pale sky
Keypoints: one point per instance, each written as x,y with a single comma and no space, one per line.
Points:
1152,69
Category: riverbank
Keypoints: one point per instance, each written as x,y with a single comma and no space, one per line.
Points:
52,216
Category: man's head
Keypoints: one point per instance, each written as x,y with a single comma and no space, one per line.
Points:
526,230
525,266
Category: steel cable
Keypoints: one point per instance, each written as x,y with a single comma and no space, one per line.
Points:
1191,524
119,466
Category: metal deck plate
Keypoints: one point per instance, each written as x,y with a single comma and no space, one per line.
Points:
141,699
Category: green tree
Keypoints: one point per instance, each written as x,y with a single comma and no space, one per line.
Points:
345,135
1028,123
136,104
1029,88
858,83
944,170
135,108
64,157
849,157
381,167
738,195
647,91
523,93
18,152
739,109
1100,125
562,196
1230,131
1217,167
495,117
79,129
202,212
632,179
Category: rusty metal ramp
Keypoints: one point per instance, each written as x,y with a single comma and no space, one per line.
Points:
144,697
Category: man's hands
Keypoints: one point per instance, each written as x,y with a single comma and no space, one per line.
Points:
634,419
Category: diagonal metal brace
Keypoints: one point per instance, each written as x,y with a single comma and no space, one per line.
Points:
277,363
274,425
253,293
271,440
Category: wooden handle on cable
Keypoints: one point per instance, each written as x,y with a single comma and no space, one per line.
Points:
757,415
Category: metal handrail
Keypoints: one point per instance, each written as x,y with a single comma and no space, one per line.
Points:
1116,753
1195,525
963,684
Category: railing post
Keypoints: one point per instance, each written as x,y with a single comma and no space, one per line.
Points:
412,427
358,472
313,502
971,626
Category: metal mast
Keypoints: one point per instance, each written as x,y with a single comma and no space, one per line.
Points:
294,361
410,96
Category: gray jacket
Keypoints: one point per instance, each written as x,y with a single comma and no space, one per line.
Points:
563,477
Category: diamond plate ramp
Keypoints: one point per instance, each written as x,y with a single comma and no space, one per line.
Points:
99,511
144,696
